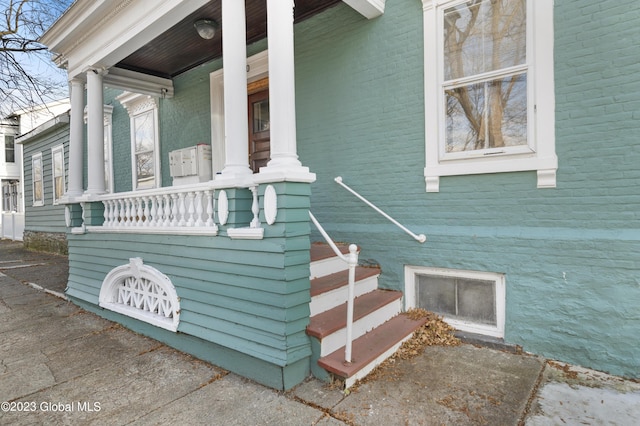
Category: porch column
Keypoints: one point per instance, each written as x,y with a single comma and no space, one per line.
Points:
282,103
95,132
76,143
236,116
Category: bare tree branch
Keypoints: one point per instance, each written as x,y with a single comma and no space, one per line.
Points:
28,76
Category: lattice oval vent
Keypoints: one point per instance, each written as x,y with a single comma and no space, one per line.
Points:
142,292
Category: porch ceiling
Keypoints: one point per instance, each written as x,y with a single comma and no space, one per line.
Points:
180,48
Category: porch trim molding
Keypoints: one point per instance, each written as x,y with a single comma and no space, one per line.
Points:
368,8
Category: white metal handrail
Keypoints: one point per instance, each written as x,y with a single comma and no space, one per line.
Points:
352,260
420,238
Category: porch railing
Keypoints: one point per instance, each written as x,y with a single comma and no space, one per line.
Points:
352,260
170,207
184,209
420,238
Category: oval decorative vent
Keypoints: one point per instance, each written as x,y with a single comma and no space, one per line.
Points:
141,292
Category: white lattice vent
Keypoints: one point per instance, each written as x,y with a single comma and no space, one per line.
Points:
141,292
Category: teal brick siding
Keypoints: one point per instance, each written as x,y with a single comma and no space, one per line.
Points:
570,254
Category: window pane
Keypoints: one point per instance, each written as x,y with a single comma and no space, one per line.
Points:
144,138
9,149
145,170
437,294
476,301
486,115
484,36
261,116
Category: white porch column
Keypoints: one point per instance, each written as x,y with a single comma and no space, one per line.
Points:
76,143
282,102
236,116
95,132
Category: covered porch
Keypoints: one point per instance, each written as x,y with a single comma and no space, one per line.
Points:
218,267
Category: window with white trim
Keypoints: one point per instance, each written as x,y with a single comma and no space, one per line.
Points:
9,149
58,172
145,149
108,148
489,88
472,301
37,179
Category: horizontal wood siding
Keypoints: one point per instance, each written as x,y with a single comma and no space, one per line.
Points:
251,296
49,217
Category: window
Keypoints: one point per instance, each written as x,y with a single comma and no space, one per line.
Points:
57,169
490,98
145,152
38,183
470,301
9,149
108,144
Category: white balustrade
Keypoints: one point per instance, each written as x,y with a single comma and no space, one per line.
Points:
165,208
187,209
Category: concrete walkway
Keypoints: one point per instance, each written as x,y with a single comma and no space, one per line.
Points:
62,365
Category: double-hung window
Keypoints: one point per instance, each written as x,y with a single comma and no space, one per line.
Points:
145,150
489,88
9,149
57,159
37,179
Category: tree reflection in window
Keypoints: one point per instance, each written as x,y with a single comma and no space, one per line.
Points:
144,150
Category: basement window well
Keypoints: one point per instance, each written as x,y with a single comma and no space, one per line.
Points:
471,301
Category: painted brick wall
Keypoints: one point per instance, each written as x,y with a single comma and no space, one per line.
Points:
570,254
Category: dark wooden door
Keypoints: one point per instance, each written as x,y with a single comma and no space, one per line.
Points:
259,130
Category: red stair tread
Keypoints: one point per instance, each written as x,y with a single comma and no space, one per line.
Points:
320,251
333,281
328,322
367,348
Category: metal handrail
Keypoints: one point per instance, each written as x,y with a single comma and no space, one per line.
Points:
352,261
420,238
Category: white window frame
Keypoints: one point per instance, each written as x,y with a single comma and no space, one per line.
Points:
137,105
12,149
59,149
37,158
540,97
410,281
108,148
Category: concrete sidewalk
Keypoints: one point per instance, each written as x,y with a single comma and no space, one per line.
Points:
62,365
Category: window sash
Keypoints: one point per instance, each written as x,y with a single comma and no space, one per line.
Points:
474,120
58,172
38,183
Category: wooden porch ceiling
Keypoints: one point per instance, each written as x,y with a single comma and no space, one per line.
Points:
180,48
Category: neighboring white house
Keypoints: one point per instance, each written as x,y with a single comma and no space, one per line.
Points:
17,123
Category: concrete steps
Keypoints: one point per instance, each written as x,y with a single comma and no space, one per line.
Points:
379,328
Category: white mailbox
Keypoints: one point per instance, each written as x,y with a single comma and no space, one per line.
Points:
190,165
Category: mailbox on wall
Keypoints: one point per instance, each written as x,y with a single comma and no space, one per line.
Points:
190,165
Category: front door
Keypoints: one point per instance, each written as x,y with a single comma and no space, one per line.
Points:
259,134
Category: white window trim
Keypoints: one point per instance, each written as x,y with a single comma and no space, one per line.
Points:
410,283
54,150
541,92
108,135
37,203
137,104
257,68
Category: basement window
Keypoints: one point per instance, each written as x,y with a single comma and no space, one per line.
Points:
472,301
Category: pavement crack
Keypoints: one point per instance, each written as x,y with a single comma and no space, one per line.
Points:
534,393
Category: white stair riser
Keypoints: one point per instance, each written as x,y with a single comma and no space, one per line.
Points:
324,267
373,364
329,300
336,340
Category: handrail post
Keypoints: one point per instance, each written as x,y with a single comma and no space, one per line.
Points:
353,262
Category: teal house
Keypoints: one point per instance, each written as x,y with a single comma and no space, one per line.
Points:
478,159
